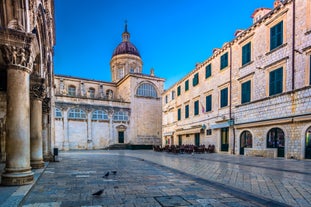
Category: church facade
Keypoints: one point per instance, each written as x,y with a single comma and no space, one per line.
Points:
252,96
92,114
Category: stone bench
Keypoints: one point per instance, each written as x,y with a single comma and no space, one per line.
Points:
271,153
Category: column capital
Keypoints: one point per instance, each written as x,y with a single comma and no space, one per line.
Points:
18,49
37,88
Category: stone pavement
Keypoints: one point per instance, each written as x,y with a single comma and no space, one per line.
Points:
147,178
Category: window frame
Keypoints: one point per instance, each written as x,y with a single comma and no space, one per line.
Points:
208,107
77,113
146,90
120,116
276,37
96,114
72,90
274,86
58,111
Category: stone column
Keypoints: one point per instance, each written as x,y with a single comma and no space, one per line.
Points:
89,130
17,166
47,155
65,130
37,93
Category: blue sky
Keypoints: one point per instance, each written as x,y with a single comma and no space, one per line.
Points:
171,35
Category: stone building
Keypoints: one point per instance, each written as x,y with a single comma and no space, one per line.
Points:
253,95
92,114
27,37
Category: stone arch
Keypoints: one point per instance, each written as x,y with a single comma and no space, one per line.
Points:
149,83
245,140
275,138
306,142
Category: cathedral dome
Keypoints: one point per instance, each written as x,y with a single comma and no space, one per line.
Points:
125,47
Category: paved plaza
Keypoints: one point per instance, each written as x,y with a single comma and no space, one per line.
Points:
148,178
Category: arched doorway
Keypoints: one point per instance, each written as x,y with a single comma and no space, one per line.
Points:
246,141
276,139
121,130
308,144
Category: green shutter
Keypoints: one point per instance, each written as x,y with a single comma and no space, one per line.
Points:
196,107
178,91
246,53
246,92
179,114
208,104
186,111
208,71
276,35
223,61
276,81
187,85
224,97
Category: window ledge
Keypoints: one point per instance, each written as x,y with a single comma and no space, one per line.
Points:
275,49
246,64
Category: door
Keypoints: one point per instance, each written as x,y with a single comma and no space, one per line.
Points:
308,144
121,137
276,139
197,139
224,137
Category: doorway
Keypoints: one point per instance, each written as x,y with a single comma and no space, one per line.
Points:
308,144
245,141
197,139
121,136
276,139
224,139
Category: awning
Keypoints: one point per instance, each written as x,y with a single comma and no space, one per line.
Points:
189,131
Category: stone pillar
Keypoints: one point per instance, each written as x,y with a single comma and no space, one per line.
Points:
47,153
89,130
18,57
65,130
37,93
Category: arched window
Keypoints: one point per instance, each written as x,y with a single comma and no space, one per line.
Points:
120,116
276,139
92,92
245,141
76,114
71,91
109,94
146,90
99,115
58,113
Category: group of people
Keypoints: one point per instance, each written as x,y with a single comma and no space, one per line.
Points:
188,148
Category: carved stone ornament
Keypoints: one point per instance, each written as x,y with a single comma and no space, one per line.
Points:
17,56
46,105
37,88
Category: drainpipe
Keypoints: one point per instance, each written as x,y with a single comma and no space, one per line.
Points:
230,107
293,47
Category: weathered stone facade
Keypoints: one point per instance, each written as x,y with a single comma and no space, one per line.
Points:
265,72
26,74
93,114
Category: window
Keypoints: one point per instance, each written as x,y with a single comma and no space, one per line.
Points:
72,91
146,90
99,115
166,99
187,111
76,114
224,61
276,82
186,85
178,114
224,97
58,113
208,71
109,94
246,53
120,73
276,35
120,116
178,91
196,107
209,132
208,105
246,92
173,95
132,70
92,92
195,80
